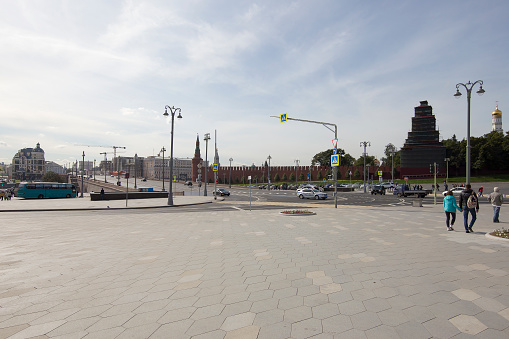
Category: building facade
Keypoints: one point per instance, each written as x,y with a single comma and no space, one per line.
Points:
52,166
29,164
422,148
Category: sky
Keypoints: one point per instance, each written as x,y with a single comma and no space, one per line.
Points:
100,73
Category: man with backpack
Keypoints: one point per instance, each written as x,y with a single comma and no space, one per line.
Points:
469,203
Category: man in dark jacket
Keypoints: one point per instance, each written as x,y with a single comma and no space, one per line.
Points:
463,205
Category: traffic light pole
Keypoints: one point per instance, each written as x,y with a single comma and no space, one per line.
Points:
335,170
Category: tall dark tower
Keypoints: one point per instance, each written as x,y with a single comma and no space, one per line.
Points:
196,159
423,146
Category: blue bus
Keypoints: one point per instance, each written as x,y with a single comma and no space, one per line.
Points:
40,190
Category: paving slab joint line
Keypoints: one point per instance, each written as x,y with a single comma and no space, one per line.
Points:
104,208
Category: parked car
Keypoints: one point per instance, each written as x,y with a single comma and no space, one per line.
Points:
221,192
456,191
387,185
378,189
188,183
311,193
144,179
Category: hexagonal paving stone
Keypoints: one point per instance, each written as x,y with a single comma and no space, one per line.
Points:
468,324
306,328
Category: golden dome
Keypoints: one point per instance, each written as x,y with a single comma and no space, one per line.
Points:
497,111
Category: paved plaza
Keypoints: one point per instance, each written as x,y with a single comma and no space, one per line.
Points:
357,272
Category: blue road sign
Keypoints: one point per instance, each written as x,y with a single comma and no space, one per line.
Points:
215,167
335,151
334,160
283,117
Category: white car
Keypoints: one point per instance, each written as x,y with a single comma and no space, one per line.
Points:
387,185
456,191
310,193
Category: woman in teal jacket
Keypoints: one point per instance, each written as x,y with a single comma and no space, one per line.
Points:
450,207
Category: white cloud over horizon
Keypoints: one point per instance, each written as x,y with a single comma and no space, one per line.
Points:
99,73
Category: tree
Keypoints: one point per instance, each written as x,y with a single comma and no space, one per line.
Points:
347,160
339,174
276,177
323,158
52,177
292,177
284,178
320,176
369,160
387,160
357,173
301,177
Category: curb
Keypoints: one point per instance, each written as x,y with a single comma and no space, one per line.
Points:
491,237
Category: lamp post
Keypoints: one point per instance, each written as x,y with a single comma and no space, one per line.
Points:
94,169
230,179
163,150
206,138
468,86
82,173
135,168
365,143
392,151
447,169
243,175
268,172
173,110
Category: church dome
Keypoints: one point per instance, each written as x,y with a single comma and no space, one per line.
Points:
497,111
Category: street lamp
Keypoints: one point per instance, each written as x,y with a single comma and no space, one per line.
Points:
82,173
230,180
468,86
163,150
365,143
135,168
243,175
94,169
206,138
173,110
268,172
447,169
392,150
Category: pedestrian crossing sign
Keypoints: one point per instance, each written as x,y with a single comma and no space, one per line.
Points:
215,167
334,160
283,117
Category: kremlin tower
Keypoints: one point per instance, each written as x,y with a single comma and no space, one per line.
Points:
496,120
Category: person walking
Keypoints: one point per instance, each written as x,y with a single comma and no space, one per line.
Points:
450,208
481,190
102,193
469,203
497,199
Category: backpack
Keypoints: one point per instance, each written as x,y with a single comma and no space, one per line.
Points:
472,201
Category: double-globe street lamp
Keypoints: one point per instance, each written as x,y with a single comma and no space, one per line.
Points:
365,144
173,110
468,86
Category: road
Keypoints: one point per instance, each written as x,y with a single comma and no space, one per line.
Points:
241,197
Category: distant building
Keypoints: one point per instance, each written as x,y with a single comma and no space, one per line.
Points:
29,164
54,167
496,120
422,147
